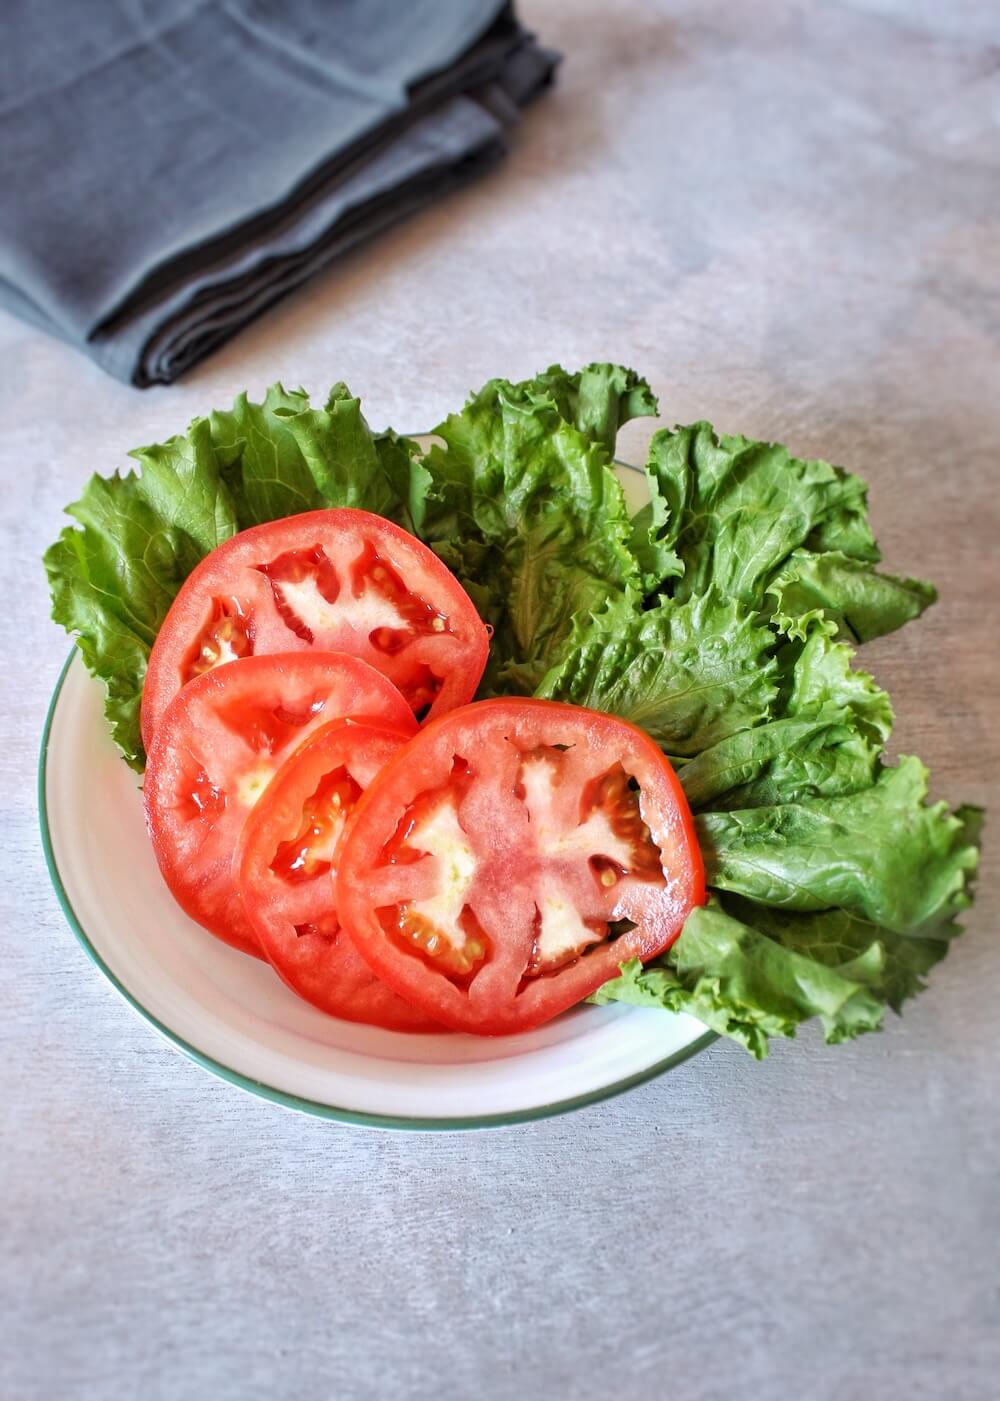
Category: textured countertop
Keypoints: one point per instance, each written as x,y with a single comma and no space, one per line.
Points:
786,215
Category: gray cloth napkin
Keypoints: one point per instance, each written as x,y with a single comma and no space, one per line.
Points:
170,168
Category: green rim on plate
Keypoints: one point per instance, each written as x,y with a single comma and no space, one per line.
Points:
282,1097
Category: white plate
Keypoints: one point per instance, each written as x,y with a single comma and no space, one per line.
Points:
233,1016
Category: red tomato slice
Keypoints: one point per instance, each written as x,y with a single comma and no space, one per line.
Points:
336,581
511,856
218,745
287,869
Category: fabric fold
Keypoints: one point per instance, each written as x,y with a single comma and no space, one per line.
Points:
166,183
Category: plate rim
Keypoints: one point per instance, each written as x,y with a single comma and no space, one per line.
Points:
271,1093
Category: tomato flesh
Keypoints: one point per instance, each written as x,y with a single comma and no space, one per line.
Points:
287,867
309,853
224,638
336,581
293,574
508,860
413,930
218,746
442,930
371,572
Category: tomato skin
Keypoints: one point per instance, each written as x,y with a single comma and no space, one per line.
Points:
502,996
240,600
220,741
287,916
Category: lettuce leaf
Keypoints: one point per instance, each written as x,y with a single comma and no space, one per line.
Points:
752,983
736,509
860,601
267,475
338,450
597,400
749,987
114,576
526,508
830,725
882,853
837,938
499,444
689,674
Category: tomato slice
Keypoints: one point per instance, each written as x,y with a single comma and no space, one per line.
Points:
505,862
287,868
337,581
219,743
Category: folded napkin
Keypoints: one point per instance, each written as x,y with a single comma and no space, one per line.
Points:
172,167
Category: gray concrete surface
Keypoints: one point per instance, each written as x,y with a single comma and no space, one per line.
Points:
786,213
